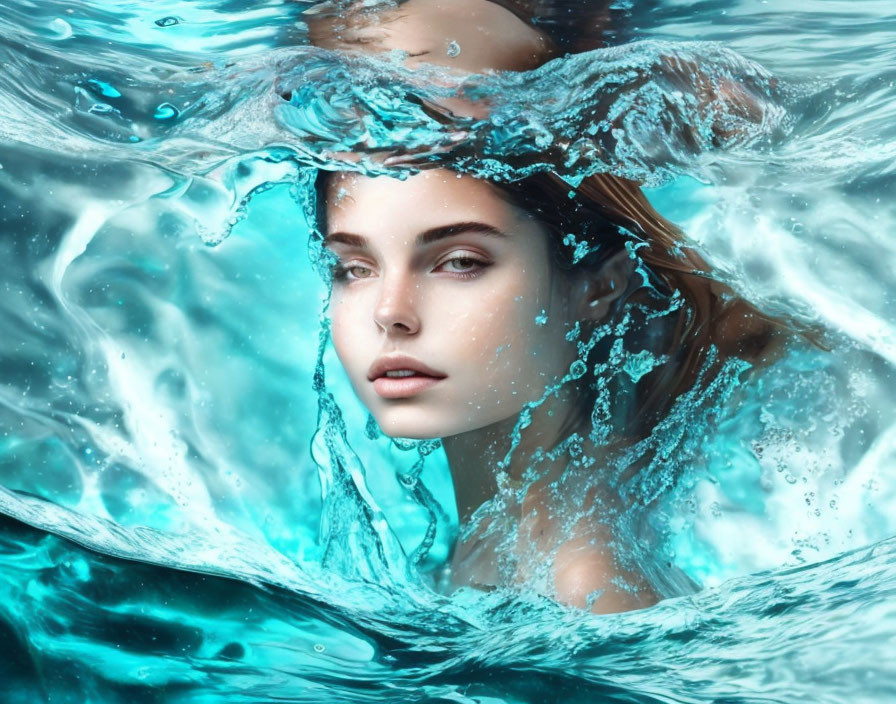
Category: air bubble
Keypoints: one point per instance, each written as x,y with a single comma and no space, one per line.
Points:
60,28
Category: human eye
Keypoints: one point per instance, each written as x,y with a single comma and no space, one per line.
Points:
463,265
351,271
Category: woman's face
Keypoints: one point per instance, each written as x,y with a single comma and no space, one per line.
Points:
446,311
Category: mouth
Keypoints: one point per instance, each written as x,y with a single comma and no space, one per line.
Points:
400,376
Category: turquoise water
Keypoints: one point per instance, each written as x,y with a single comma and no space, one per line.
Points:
161,316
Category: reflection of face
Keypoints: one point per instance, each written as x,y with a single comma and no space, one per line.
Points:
442,269
469,35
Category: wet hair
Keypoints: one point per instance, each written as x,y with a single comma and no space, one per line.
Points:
572,25
677,311
684,312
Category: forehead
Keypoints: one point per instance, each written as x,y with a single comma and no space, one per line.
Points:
367,205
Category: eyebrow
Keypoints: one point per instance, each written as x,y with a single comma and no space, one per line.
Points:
434,234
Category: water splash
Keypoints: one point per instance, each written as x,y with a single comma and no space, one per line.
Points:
194,635
163,420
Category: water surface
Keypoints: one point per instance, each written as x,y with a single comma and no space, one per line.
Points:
160,320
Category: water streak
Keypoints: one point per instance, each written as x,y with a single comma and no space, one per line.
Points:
158,395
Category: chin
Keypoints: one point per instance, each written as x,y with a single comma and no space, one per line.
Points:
413,424
410,430
416,424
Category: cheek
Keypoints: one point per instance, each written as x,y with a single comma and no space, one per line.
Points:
347,329
495,328
534,332
483,317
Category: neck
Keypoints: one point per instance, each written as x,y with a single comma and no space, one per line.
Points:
475,457
580,558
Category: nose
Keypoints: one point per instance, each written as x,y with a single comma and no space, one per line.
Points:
396,312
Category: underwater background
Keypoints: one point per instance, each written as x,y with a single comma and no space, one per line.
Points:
176,525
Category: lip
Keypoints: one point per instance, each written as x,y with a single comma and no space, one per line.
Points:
425,377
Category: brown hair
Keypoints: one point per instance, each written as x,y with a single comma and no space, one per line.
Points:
606,214
572,25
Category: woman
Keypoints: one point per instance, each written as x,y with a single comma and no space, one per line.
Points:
486,315
459,304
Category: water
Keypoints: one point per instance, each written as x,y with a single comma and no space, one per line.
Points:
161,318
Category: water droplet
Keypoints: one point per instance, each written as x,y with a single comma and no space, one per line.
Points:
166,111
104,88
577,369
319,648
542,318
453,49
169,21
101,109
637,365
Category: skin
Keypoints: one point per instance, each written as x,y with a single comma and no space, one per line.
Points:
490,37
472,306
464,304
474,322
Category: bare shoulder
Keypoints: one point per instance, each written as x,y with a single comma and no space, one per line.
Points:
586,575
576,565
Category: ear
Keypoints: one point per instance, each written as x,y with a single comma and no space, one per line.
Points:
597,291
